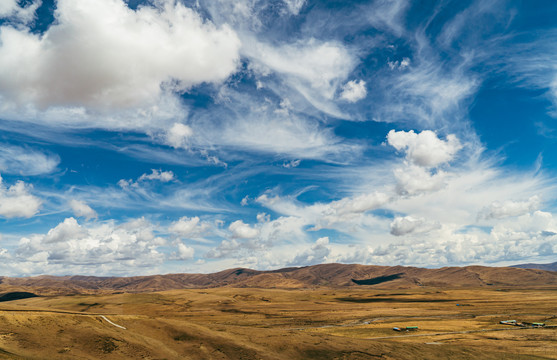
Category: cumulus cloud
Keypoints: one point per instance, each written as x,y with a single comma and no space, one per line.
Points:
131,244
246,240
316,255
225,248
425,148
354,91
424,152
81,209
189,227
8,7
17,200
12,10
78,63
177,136
412,180
499,210
159,175
24,161
242,231
183,252
410,225
162,176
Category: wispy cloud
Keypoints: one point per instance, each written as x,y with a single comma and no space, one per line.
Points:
26,161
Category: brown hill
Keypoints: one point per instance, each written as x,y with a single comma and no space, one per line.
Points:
331,275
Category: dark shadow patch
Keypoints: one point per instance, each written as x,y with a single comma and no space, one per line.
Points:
328,354
106,344
236,311
88,306
378,280
184,337
17,295
396,300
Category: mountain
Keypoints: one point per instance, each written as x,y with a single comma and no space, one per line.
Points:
331,275
547,267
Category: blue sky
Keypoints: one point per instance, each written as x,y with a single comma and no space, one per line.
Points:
163,136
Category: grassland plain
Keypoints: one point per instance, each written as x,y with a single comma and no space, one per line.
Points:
255,323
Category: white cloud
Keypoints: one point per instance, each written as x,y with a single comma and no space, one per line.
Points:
162,176
242,231
336,214
81,209
292,164
354,91
261,129
359,204
410,225
183,252
11,9
387,15
316,255
17,200
294,6
412,179
8,7
225,248
263,217
69,229
77,62
159,175
245,201
189,227
508,208
424,148
123,183
95,249
399,65
314,69
177,136
320,64
23,161
433,91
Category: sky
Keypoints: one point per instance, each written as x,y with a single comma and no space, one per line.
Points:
146,137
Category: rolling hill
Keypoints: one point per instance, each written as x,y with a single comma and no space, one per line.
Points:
330,275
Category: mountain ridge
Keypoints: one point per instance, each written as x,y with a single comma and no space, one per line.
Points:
329,275
547,267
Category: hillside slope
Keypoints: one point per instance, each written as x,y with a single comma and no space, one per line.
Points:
331,275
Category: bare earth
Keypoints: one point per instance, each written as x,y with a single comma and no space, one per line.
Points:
317,322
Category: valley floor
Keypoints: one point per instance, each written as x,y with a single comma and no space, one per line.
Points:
247,323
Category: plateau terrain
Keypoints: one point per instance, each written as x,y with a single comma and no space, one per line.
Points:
330,311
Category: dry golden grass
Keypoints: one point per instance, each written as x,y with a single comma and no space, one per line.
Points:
247,323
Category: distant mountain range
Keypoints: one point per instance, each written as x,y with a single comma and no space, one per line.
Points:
547,267
331,275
